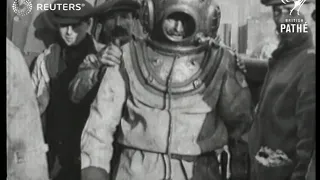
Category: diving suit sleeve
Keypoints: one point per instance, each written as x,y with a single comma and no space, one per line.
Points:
235,104
305,118
105,115
26,149
88,77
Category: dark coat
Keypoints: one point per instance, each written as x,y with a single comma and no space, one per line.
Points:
285,115
311,175
64,120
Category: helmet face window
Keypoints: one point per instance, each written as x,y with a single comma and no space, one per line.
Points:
178,26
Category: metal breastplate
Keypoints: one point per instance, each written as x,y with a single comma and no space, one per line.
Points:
188,74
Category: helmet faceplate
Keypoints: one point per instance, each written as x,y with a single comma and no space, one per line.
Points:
202,16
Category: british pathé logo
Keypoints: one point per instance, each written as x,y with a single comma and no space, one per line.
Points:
294,25
297,27
22,7
297,4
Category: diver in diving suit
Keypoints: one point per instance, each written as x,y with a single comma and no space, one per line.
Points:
177,96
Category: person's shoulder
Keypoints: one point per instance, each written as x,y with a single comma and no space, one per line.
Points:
48,57
52,50
11,46
16,63
14,55
12,49
306,61
308,57
229,56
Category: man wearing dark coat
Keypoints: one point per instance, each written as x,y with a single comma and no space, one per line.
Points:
52,72
281,140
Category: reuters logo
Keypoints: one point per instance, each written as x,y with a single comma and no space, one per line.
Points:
22,7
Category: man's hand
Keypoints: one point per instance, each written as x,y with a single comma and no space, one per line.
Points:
241,64
111,55
91,61
94,173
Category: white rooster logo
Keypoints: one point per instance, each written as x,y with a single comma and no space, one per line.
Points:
297,4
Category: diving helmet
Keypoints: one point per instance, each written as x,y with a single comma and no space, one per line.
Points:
196,16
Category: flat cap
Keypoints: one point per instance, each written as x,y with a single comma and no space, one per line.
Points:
65,12
281,2
116,5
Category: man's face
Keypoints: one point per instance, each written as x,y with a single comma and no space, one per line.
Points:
175,27
118,25
73,34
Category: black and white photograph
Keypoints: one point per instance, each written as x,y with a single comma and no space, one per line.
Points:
161,89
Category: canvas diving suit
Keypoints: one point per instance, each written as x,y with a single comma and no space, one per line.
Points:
175,105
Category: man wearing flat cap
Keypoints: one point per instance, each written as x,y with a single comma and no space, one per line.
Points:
53,71
281,140
119,19
119,22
